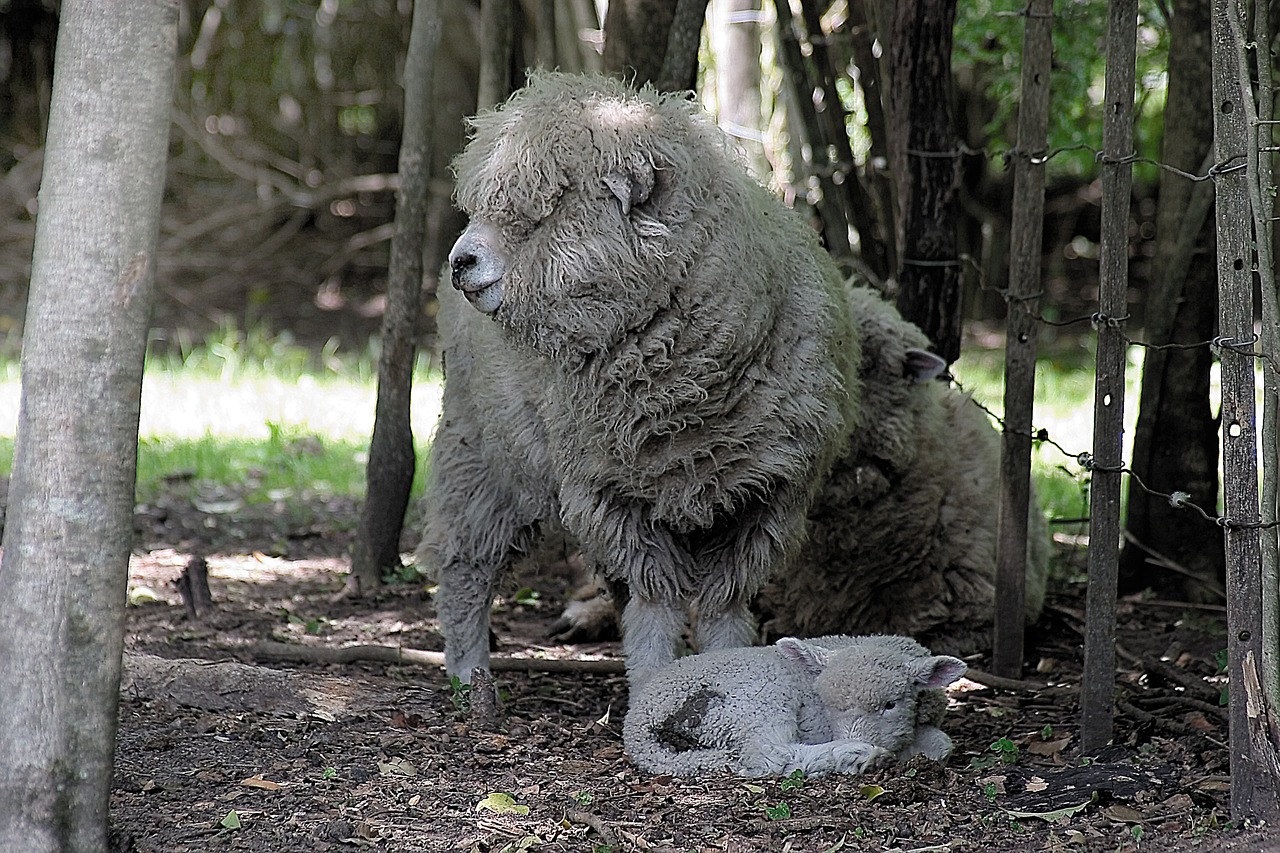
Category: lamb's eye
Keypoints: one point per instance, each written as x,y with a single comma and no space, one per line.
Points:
889,706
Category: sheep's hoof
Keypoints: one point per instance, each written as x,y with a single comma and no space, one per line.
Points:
591,621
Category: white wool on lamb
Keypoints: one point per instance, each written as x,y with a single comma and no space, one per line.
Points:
644,346
835,704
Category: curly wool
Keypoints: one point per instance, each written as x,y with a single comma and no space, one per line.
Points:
830,704
670,371
902,537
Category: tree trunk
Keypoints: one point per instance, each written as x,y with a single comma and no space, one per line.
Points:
926,168
389,474
495,52
680,62
1020,341
1255,762
1098,686
70,518
636,33
736,40
654,41
1175,440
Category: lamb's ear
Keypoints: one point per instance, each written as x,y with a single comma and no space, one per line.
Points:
922,365
813,658
630,186
938,672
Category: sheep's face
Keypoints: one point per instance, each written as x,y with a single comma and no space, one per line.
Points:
580,196
869,691
874,703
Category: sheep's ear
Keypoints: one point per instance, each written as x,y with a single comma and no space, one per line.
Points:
922,365
630,187
938,672
812,658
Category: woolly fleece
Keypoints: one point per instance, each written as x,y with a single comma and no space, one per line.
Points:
832,704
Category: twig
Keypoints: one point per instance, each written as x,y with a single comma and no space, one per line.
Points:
601,828
1131,710
1001,683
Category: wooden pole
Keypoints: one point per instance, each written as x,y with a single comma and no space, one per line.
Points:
1253,770
1020,339
1097,695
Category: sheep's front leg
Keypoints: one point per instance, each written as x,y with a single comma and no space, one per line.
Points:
471,529
854,757
764,539
651,631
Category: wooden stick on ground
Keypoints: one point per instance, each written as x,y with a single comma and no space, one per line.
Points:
420,657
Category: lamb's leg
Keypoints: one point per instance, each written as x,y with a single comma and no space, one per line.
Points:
775,751
651,631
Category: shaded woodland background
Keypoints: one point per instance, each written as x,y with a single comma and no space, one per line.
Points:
288,119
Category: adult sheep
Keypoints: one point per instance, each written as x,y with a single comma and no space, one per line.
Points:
655,354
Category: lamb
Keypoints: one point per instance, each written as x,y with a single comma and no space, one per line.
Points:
836,704
644,346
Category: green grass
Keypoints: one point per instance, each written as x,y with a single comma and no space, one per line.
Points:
253,413
1063,407
258,414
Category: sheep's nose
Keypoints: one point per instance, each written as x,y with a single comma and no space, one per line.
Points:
462,262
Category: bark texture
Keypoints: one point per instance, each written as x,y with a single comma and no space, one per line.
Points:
1175,440
389,474
926,162
70,520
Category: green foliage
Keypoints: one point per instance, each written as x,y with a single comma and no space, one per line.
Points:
793,782
987,56
460,695
781,811
1006,749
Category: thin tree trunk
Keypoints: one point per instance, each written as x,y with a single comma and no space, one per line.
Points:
737,45
1175,445
859,210
926,165
636,34
389,473
879,178
70,520
495,52
835,225
1255,768
1020,340
1097,694
1262,202
680,61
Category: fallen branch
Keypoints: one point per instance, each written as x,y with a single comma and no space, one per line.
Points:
420,657
607,838
1000,682
232,686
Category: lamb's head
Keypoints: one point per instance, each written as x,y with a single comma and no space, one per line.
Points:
869,692
581,194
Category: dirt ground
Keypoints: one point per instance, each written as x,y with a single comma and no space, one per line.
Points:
224,746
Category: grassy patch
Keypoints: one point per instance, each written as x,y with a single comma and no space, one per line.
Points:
1063,407
259,414
254,413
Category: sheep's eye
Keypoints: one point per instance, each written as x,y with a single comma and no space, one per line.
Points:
889,706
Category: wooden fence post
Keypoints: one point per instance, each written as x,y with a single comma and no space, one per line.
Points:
1020,339
1253,735
1097,693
